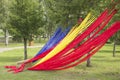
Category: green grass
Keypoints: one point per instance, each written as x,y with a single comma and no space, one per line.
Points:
104,67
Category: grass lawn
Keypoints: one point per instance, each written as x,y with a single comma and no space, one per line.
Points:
104,67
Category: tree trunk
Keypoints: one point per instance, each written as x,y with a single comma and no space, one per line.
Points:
6,37
114,48
25,48
31,43
88,62
39,39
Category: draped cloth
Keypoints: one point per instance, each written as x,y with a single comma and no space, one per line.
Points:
65,54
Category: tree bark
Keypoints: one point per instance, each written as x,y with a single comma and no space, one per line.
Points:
88,62
6,37
114,48
31,43
25,48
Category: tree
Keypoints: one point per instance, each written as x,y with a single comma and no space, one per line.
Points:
26,18
4,15
65,12
116,38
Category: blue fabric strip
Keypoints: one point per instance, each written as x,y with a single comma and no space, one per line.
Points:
54,40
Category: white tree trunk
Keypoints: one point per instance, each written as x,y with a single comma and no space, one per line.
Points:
6,37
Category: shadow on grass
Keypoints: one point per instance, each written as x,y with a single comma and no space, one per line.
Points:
106,60
66,74
99,57
108,51
115,75
10,59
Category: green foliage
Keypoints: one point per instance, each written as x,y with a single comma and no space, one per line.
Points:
116,36
66,12
26,17
1,32
4,13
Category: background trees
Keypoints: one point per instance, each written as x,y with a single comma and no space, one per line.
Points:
116,38
4,18
25,19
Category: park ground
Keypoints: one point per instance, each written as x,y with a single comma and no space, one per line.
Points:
103,67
